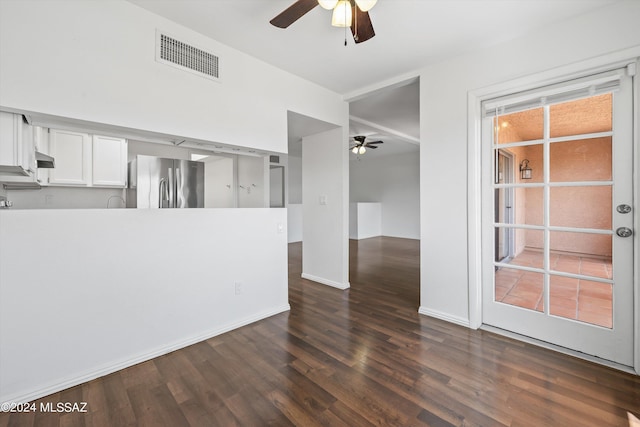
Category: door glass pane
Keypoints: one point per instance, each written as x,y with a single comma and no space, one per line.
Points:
563,296
520,288
520,158
589,115
583,300
504,238
529,207
533,242
581,160
595,303
524,248
581,253
533,156
517,127
585,207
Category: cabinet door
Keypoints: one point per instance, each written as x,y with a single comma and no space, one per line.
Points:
8,139
109,161
72,151
28,154
16,146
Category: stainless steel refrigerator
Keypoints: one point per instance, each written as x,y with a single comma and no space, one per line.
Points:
159,183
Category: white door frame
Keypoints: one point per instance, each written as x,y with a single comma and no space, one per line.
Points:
510,198
474,154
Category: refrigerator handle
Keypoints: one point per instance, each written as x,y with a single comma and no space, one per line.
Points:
172,186
179,189
162,190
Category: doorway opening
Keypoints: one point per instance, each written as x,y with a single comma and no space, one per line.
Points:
384,186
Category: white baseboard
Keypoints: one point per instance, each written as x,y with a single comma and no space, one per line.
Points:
106,369
445,316
327,282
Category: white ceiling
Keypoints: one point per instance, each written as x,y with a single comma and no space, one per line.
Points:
410,34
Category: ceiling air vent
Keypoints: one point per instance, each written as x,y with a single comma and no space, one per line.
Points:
187,57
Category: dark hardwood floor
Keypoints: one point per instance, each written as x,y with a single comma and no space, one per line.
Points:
354,358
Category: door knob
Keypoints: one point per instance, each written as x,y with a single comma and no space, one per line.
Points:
624,232
623,209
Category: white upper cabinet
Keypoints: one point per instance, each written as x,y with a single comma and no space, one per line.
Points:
72,154
83,159
17,150
109,161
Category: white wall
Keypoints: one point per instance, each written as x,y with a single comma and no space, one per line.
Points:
294,172
365,220
325,228
443,112
94,61
219,182
394,181
251,173
78,301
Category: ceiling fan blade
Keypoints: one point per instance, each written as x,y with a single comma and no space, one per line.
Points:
375,142
361,27
373,147
359,139
293,13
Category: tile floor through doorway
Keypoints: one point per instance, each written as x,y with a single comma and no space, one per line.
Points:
584,300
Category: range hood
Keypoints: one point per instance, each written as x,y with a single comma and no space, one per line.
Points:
45,161
21,186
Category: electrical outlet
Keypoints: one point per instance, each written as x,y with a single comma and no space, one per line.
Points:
280,228
238,288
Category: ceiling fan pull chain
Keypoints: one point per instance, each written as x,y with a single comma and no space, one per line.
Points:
345,27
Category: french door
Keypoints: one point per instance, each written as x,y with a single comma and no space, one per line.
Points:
556,215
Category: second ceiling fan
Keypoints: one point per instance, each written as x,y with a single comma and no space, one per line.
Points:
346,13
361,146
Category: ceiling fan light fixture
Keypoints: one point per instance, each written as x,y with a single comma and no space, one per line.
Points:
354,150
328,4
361,150
366,5
342,14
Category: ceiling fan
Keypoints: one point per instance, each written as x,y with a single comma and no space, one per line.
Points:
346,13
361,146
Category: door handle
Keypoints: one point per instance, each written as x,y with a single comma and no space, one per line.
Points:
624,232
623,209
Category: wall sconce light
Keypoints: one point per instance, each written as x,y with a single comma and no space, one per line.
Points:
525,170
